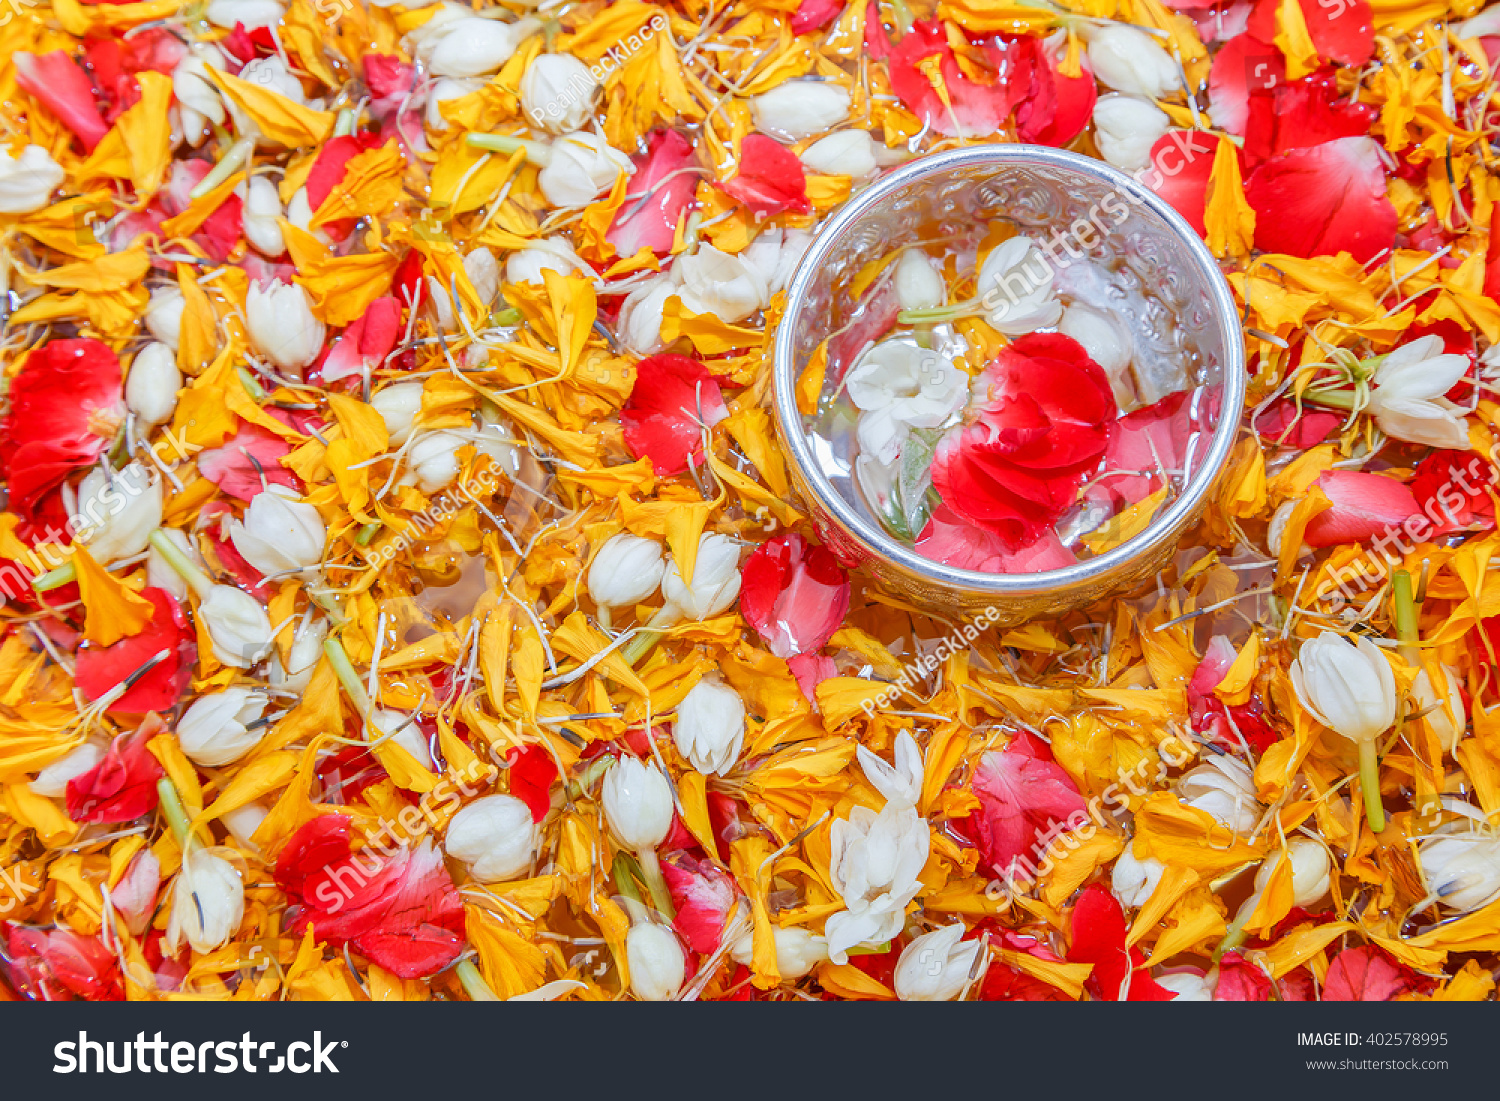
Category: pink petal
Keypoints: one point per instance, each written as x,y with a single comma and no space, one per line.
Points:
771,178
1324,200
1182,161
56,80
652,208
236,466
1364,506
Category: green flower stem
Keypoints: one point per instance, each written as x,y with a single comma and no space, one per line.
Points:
1406,616
656,883
55,579
1235,935
1334,399
536,152
343,668
473,983
1369,782
506,317
646,639
585,780
937,314
253,388
171,807
343,126
234,158
624,872
184,566
367,533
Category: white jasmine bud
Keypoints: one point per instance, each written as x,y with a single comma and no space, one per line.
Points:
1133,879
441,92
1103,336
548,254
1462,871
656,961
846,153
398,406
252,14
473,46
797,950
495,836
710,727
164,315
208,902
238,627
222,727
198,100
1348,687
280,533
557,93
1130,60
716,579
639,327
1224,789
282,326
1445,715
1310,867
714,282
432,459
1015,288
637,804
261,211
580,167
302,659
152,385
1125,129
936,966
161,575
118,512
403,730
242,822
626,570
52,781
27,181
919,284
800,109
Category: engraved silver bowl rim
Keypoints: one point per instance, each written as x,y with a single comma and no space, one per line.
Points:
875,540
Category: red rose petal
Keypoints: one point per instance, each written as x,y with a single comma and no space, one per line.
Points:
65,405
97,669
770,180
1324,200
704,896
1364,506
974,109
1021,792
238,464
672,399
1182,161
1098,937
63,87
660,191
794,593
1056,108
122,786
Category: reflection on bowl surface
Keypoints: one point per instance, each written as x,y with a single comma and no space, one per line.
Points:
1002,378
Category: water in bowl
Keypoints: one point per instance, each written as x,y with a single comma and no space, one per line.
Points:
1167,403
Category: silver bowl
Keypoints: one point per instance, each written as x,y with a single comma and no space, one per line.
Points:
954,194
